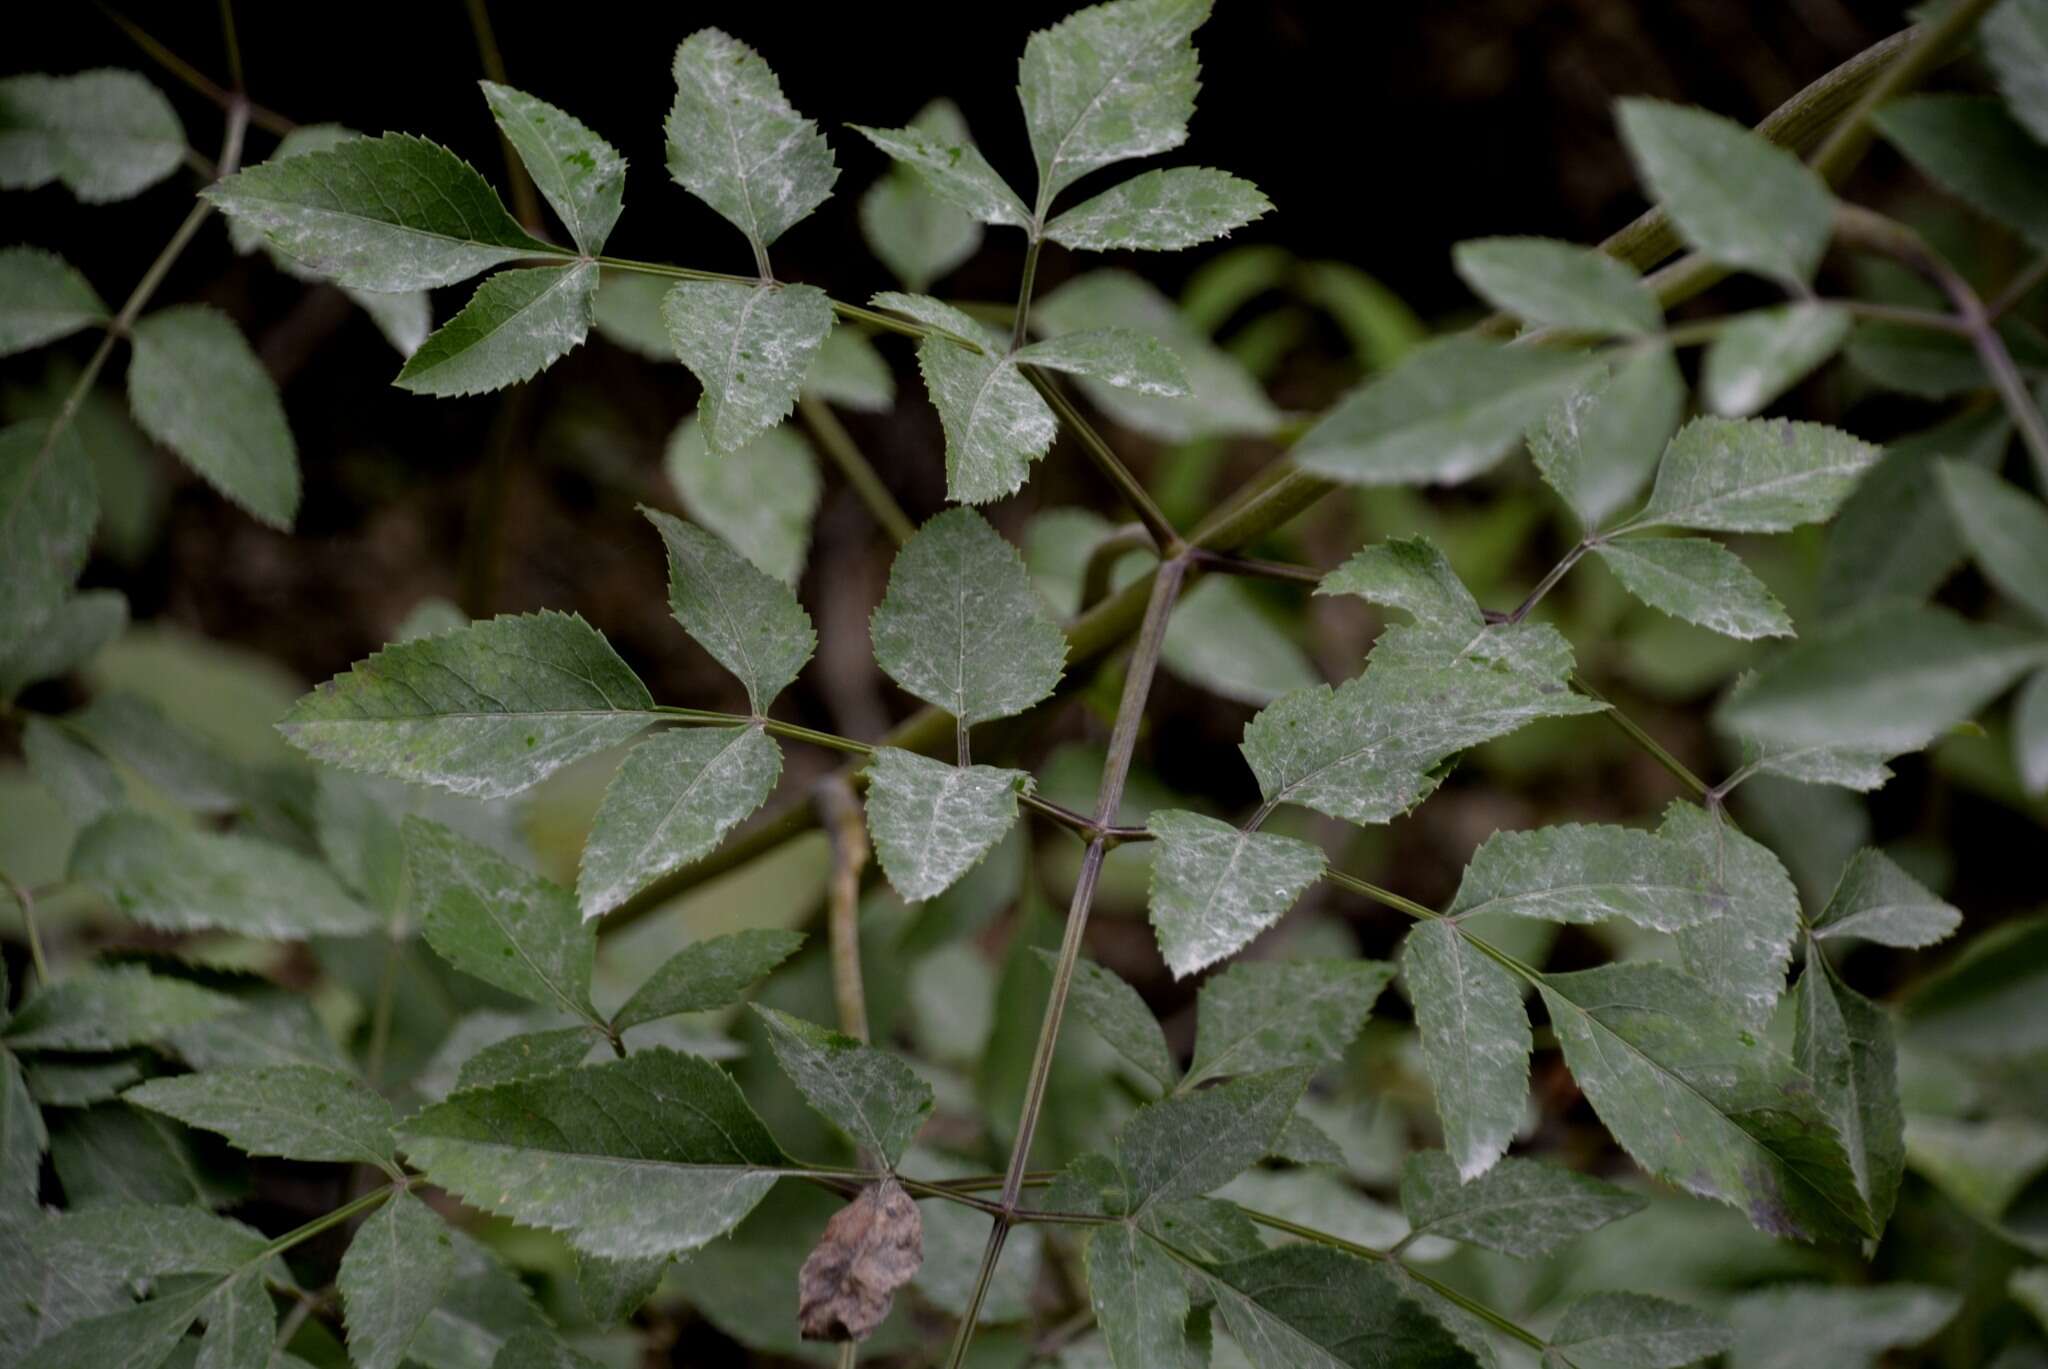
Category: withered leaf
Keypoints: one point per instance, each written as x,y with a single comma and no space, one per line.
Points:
870,1248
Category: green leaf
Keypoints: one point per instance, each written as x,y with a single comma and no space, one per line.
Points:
1886,678
933,822
139,1337
516,325
130,1242
241,1326
1703,1104
1223,639
2016,47
1161,211
869,1094
104,135
760,499
1580,872
749,622
1119,357
1109,83
486,711
1973,147
293,1112
491,919
1215,887
1739,199
1877,901
1543,281
628,312
74,772
1272,1014
749,347
384,214
524,1056
1599,443
181,879
1740,957
936,149
1371,749
1793,1325
2030,732
22,1143
1189,1144
849,371
1699,580
1524,1208
1844,1043
48,505
485,1305
735,143
654,1154
539,1350
1121,1018
1475,1042
613,1290
960,625
1450,410
2005,529
65,641
1139,1298
1311,1307
1639,1331
136,731
582,175
1753,475
669,805
398,1264
110,1009
709,974
42,297
1762,354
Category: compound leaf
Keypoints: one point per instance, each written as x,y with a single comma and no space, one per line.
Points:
105,1009
397,1266
42,298
104,135
1753,475
295,1112
708,974
1519,1207
760,499
1582,872
1312,1307
1109,83
1877,901
947,164
1543,281
1761,355
1635,1329
1272,1014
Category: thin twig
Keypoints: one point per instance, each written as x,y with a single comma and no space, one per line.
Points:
27,901
1164,538
525,203
860,474
841,813
269,120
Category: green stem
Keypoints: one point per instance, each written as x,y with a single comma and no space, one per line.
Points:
1932,45
267,119
380,1015
860,475
233,45
841,813
1636,734
333,1219
1418,911
1021,329
1164,538
27,901
1103,558
1549,582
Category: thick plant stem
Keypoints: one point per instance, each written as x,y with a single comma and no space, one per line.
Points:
843,823
1932,45
1123,744
860,475
1020,331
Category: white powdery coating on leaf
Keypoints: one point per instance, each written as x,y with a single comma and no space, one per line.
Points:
1699,580
1122,357
995,423
398,1264
1161,211
1110,82
750,346
735,143
1740,958
1475,1042
582,175
933,822
1580,873
1215,886
1754,475
749,622
1763,354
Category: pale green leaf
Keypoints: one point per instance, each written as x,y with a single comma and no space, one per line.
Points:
516,325
937,314
135,731
42,297
960,625
2030,732
1119,357
1702,1103
937,151
1475,1042
654,1154
130,1242
74,771
670,804
1973,147
540,1350
1545,282
1414,576
1795,1326
1271,1014
2016,46
1848,767
2005,529
870,1094
1886,678
1582,872
760,499
1161,211
1215,887
105,135
65,641
1189,1144
48,505
524,1056
1597,446
489,918
1525,1208
1109,83
750,347
735,143
294,1112
1761,355
1844,1043
241,1326
485,1305
582,175
995,423
1740,957
404,319
1370,749
1311,1307
1637,1331
139,1337
749,622
933,822
709,974
1742,201
1753,475
1699,580
485,711
849,371
1877,901
1121,1018
384,214
1448,411
110,1009
182,879
1222,639
398,1264
611,1291
1139,1298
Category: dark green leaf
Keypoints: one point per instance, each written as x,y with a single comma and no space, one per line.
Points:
709,974
1519,1207
870,1094
295,1112
397,1266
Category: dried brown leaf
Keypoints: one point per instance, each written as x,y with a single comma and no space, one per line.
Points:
870,1248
